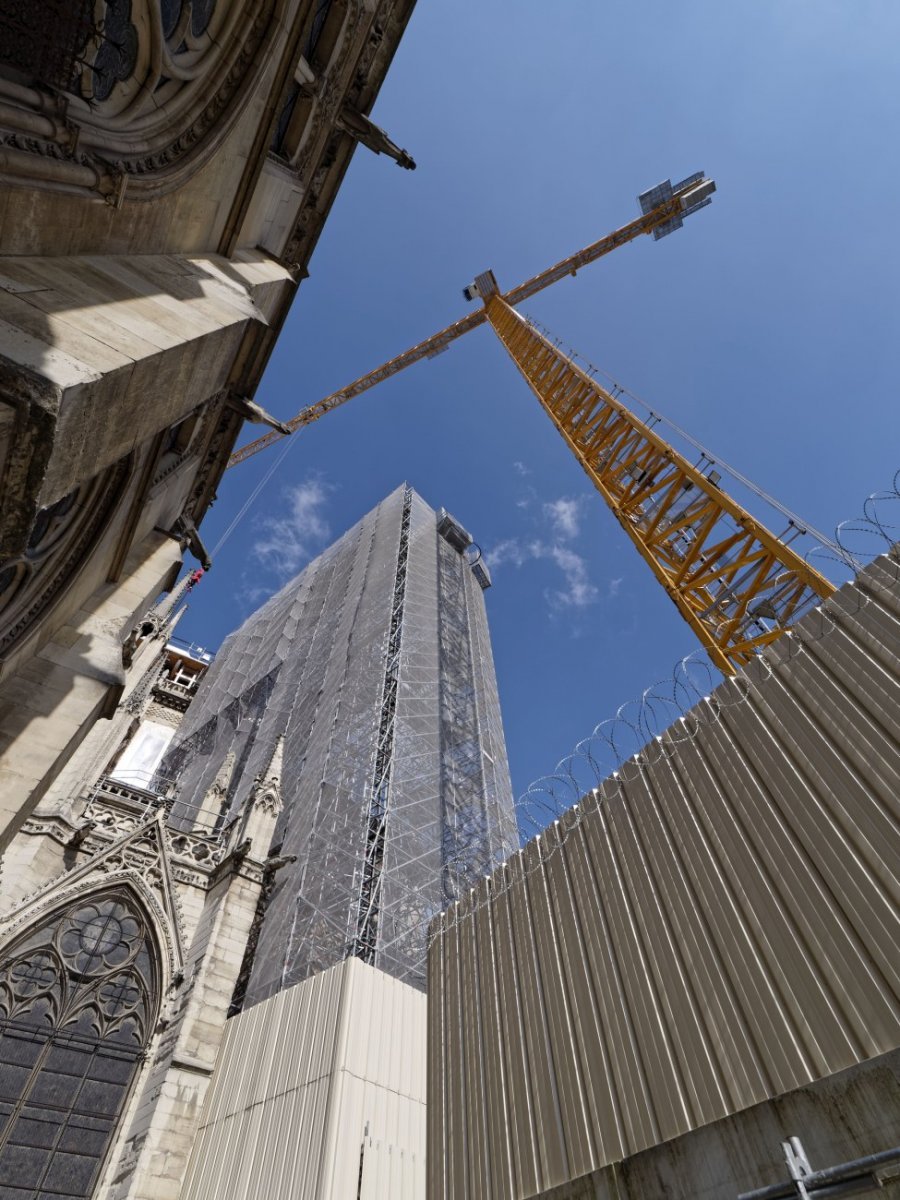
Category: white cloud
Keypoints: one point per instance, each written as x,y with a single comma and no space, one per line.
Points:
510,551
287,542
563,516
577,590
561,521
615,586
521,468
251,595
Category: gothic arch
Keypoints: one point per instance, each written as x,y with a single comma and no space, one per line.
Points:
152,86
62,538
80,994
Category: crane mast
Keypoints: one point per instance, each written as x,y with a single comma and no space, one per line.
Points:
736,584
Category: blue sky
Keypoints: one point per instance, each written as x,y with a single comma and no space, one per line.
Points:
767,326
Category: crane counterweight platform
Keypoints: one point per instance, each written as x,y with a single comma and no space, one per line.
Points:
736,584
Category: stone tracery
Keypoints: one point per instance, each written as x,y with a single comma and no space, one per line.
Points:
79,996
59,542
146,85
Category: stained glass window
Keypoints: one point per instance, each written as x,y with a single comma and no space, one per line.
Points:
78,999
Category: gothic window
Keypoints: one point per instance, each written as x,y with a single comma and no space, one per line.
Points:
325,23
285,120
177,446
325,27
88,48
43,41
78,1002
150,84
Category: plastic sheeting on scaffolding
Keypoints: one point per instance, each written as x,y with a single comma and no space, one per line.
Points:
375,666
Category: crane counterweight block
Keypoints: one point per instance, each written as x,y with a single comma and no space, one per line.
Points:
686,197
481,287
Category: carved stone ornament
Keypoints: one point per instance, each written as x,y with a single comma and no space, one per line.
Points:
141,860
267,796
216,796
355,55
114,816
151,88
59,544
266,791
226,425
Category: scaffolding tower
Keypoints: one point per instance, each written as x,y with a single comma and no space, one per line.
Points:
374,665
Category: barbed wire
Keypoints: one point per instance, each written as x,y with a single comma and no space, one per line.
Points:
615,740
664,707
693,697
866,536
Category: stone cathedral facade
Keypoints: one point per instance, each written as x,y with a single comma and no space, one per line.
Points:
115,980
165,172
166,169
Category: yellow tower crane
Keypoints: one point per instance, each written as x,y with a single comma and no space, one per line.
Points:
736,584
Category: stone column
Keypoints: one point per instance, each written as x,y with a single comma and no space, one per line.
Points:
49,704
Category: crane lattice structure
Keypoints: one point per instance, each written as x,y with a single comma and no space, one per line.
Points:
737,585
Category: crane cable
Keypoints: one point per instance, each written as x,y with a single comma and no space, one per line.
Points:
713,460
242,511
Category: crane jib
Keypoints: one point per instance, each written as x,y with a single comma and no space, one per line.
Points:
737,585
664,213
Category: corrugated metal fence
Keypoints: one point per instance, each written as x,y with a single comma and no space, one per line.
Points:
716,925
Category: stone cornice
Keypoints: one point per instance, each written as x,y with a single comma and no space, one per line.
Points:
355,77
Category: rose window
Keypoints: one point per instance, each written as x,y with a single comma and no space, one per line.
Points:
79,997
98,937
149,84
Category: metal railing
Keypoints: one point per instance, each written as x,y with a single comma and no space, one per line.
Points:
853,1178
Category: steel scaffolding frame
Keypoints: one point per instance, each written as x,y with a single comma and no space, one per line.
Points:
364,943
374,665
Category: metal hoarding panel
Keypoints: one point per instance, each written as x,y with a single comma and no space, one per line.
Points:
716,925
314,1089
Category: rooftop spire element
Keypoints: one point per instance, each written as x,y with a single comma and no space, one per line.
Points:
266,790
216,796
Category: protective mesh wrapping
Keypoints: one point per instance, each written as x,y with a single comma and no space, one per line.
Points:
375,666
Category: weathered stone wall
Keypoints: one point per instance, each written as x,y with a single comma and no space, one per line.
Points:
51,702
122,348
145,271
